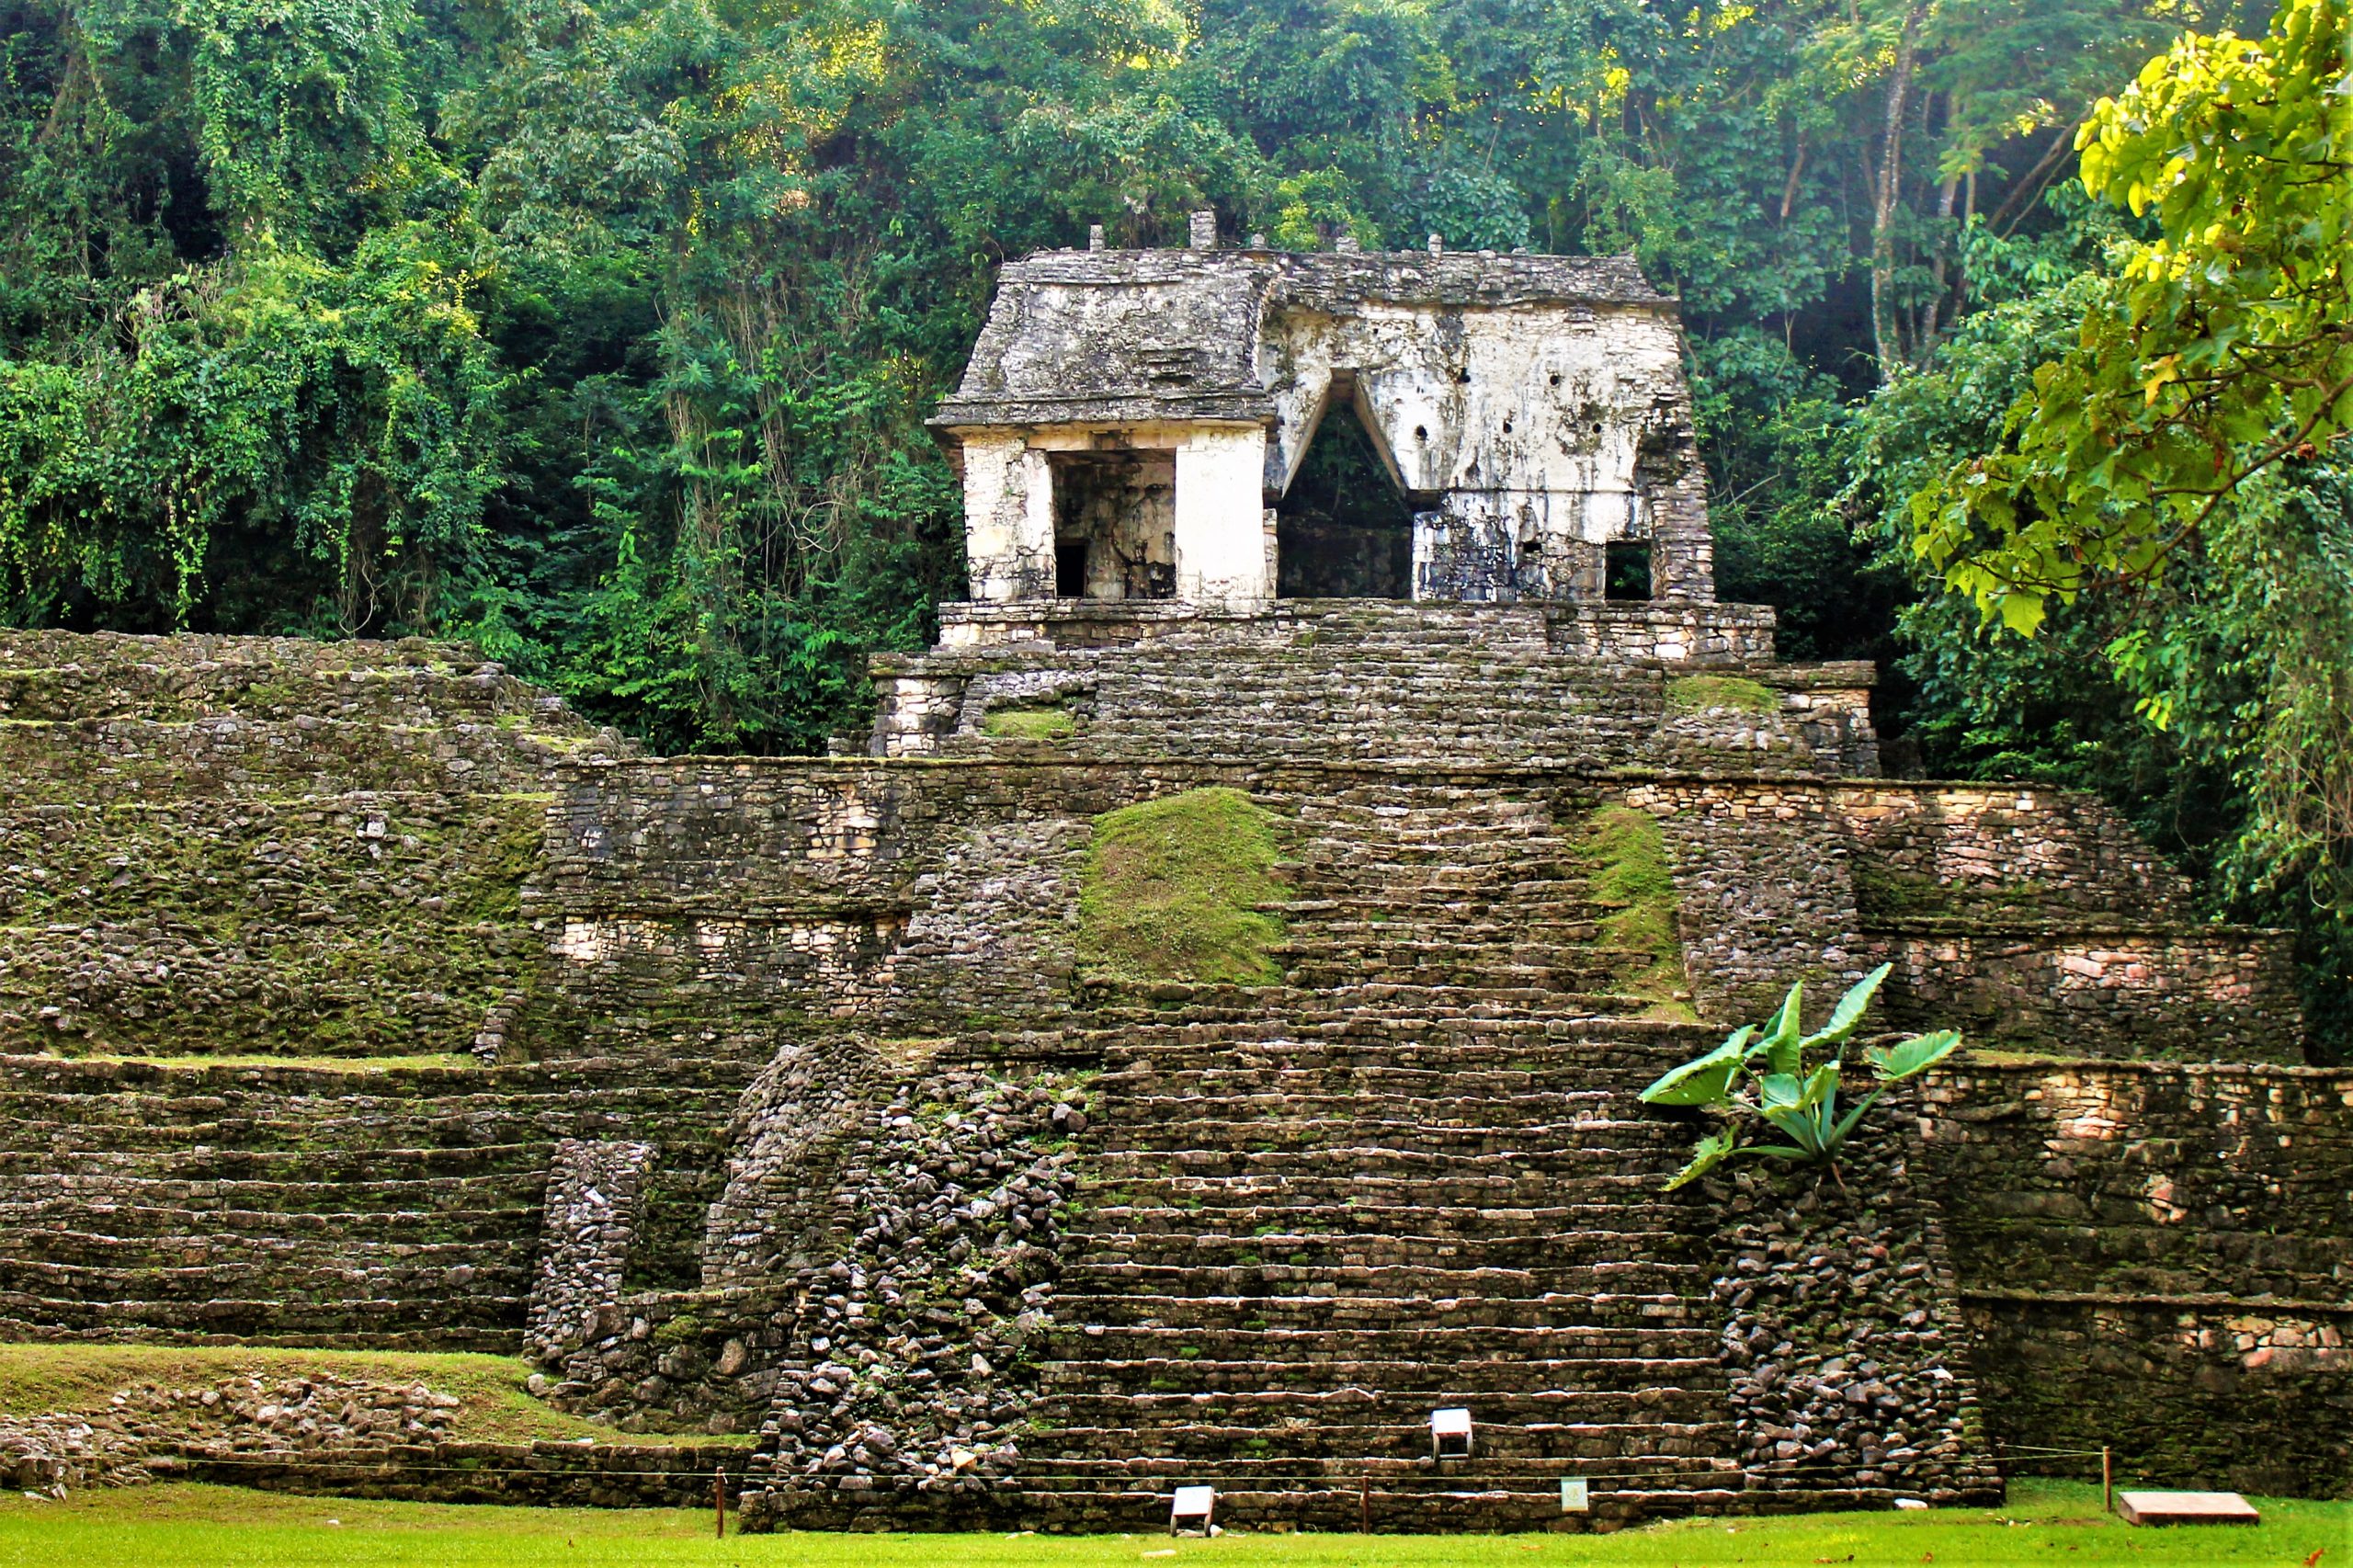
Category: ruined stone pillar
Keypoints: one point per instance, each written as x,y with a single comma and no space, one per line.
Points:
1008,518
1221,518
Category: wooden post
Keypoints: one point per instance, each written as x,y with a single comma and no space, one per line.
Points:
719,1502
1364,1506
2107,1480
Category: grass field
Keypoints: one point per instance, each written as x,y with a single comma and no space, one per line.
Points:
2053,1523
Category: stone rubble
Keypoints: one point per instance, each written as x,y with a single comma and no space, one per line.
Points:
247,1416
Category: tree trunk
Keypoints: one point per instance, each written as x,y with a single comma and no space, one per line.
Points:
1886,330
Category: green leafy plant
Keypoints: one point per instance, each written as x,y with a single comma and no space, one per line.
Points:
1762,1072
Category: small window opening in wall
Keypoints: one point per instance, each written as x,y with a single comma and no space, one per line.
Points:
1628,568
1070,570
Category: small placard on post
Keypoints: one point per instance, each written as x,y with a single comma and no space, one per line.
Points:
1449,1434
1573,1499
2186,1508
1192,1509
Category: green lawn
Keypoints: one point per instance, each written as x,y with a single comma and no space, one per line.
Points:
192,1527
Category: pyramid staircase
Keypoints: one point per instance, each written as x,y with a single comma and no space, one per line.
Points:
1413,1176
385,1209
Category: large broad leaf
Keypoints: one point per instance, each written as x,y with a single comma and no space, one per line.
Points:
1819,1100
1710,1152
1901,1061
1781,1100
1782,1047
1704,1080
1821,1085
1847,1016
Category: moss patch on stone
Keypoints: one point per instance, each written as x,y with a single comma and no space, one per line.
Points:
1626,852
1028,723
1694,694
1171,889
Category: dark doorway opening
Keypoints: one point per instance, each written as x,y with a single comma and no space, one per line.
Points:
1114,524
1343,531
1627,568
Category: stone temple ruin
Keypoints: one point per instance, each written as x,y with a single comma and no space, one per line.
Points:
361,996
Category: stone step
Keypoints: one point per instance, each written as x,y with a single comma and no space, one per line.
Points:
1376,1112
1402,1465
440,1319
281,1264
1331,1189
1480,1130
1461,1505
1348,1313
1111,1167
1251,1403
226,1173
1570,975
1093,1345
1271,1072
1310,1250
1113,1222
1338,1445
1646,1272
1428,1005
1565,1054
124,1210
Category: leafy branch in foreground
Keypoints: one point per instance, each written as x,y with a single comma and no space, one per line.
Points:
2223,347
1762,1073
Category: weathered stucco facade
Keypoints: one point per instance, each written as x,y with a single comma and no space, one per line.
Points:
1129,419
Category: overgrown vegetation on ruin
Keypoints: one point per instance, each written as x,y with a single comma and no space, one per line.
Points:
1625,850
1172,891
1762,1074
1695,694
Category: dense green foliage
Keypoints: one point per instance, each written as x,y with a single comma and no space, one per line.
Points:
2177,465
602,333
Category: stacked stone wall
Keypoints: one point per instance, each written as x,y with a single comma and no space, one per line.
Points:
2033,936
2157,1258
351,1207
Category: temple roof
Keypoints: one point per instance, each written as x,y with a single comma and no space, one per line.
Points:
1118,336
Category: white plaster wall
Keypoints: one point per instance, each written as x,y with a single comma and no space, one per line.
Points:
1009,518
1221,518
1539,378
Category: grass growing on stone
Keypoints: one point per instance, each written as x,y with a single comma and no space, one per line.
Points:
493,1405
1627,851
1171,892
196,1527
1028,723
1693,694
